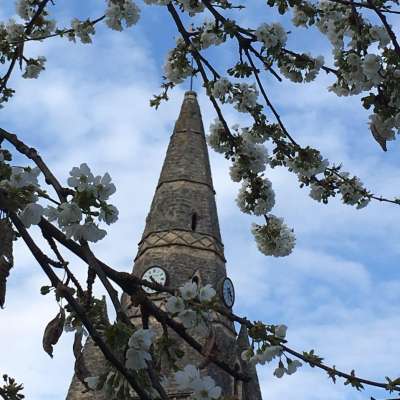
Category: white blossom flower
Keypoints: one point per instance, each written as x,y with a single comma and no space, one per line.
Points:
206,293
31,214
209,37
274,238
308,163
280,331
380,34
177,67
104,187
215,138
88,231
189,290
317,191
261,205
91,232
175,305
192,6
268,354
236,172
92,382
188,318
21,177
69,213
142,339
80,177
205,389
221,88
126,11
138,352
15,32
23,9
271,35
136,359
245,97
371,66
312,73
353,191
279,372
82,29
332,23
108,214
34,67
185,378
292,366
299,17
52,213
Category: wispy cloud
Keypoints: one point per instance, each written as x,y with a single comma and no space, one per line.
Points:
337,292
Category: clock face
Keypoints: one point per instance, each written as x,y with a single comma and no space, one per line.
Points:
156,274
228,292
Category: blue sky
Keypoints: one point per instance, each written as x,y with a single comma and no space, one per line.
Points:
338,292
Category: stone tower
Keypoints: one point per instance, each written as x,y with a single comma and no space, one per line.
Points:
182,238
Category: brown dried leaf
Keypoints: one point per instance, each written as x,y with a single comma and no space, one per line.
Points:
6,256
379,139
53,332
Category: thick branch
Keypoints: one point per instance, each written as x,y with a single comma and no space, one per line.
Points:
80,311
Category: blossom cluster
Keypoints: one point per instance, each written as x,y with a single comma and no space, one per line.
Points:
211,35
22,186
271,35
256,195
90,191
181,306
308,162
267,352
274,238
34,67
242,95
81,29
202,388
139,344
300,68
177,66
118,13
121,11
260,204
363,58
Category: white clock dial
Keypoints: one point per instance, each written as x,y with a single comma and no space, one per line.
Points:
155,274
228,292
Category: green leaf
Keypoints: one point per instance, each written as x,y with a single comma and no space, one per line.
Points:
45,290
312,358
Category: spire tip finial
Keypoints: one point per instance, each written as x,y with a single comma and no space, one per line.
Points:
190,93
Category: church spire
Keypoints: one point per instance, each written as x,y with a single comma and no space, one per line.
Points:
187,155
182,243
184,198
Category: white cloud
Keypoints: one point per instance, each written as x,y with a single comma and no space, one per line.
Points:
91,105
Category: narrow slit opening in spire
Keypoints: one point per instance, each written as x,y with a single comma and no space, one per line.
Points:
194,221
